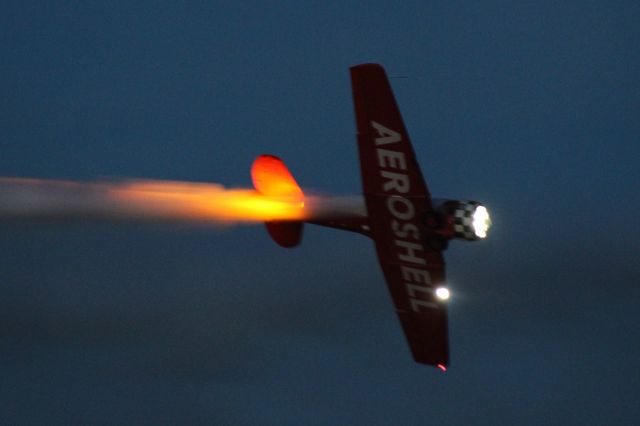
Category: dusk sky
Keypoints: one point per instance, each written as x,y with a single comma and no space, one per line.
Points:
532,108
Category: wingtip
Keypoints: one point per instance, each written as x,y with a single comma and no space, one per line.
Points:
367,65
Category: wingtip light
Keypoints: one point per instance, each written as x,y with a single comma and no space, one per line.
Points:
443,293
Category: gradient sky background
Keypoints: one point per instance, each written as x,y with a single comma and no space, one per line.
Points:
532,109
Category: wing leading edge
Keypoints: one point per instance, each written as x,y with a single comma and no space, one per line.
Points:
397,202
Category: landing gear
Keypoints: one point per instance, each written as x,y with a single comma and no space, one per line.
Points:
432,220
437,242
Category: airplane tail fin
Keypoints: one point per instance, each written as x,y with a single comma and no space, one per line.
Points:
271,177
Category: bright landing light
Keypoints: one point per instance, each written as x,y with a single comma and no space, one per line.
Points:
443,293
481,221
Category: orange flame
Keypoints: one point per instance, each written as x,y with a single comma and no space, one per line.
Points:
142,200
208,202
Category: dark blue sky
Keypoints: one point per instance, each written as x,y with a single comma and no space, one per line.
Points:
532,109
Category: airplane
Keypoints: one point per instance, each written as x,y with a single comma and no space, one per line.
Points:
410,230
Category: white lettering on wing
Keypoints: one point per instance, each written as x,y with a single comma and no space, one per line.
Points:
409,248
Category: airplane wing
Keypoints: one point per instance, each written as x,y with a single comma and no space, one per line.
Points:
398,203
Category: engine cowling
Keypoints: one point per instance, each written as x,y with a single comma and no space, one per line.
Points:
460,219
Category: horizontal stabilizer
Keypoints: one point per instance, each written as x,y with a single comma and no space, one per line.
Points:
286,234
272,178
